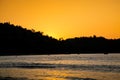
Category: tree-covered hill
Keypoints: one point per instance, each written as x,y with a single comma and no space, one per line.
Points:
16,40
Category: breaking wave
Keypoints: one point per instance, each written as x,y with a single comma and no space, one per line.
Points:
105,68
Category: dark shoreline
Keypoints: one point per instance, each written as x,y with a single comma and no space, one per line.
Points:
54,54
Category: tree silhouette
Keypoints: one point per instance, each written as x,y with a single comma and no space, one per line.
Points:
15,40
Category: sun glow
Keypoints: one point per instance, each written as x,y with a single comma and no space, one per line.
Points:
65,18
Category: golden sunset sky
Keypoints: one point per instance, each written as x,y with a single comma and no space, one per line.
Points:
64,18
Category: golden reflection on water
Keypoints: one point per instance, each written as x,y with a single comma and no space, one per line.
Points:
57,74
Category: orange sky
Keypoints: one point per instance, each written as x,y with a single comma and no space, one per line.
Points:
65,18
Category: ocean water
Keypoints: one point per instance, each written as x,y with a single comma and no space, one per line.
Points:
60,67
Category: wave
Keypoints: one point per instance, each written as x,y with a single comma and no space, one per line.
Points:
105,68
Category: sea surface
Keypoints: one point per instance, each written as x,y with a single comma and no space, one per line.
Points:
60,67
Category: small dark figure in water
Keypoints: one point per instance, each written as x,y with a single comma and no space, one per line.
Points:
105,53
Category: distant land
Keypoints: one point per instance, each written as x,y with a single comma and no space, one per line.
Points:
16,40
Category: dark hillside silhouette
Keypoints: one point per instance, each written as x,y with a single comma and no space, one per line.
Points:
15,40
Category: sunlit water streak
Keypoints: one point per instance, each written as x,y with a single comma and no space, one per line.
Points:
61,67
